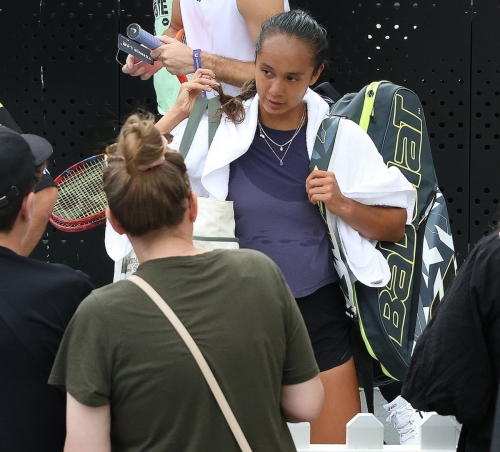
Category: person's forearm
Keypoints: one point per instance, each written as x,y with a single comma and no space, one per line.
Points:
227,70
171,31
374,222
302,402
85,446
170,120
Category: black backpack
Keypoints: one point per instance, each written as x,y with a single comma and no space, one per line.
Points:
422,263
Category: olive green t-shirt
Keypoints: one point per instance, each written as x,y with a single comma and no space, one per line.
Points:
120,349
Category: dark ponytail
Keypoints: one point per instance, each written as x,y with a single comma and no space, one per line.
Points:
233,106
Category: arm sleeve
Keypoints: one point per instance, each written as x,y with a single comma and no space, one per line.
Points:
451,370
83,363
300,363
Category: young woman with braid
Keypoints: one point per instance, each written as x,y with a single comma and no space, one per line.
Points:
260,158
132,383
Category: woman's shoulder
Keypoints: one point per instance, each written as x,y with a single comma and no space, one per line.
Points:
490,244
354,128
246,256
486,253
106,298
250,263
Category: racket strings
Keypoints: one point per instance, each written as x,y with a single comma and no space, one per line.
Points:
80,191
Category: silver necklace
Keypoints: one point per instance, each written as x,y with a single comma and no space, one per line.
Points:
266,137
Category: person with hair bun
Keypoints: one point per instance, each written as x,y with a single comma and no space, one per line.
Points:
259,159
132,384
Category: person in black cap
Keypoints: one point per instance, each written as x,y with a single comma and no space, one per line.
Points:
45,193
37,300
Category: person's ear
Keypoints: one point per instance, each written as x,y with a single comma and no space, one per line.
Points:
26,212
315,76
193,207
114,222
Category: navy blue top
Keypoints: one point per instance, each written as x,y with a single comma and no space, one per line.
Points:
273,213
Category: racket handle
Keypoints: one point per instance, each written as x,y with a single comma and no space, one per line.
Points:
135,32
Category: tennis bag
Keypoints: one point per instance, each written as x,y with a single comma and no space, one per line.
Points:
423,262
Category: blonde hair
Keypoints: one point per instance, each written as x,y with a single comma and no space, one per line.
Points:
145,200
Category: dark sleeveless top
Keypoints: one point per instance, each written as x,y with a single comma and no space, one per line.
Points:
273,213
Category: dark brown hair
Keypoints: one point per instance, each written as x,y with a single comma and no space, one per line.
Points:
294,24
145,200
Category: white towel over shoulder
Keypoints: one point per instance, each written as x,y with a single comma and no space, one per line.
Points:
363,176
360,170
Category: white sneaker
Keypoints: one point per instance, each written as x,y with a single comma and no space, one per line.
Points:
406,420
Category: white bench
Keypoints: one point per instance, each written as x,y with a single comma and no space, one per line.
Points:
365,433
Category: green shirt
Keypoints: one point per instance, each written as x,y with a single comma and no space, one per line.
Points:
119,349
166,85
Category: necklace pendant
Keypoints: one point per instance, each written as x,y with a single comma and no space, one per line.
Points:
262,135
281,148
281,163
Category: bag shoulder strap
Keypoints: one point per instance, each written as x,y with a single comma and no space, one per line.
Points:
200,360
324,144
327,89
199,107
368,105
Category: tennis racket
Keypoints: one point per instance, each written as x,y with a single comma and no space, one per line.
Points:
135,32
81,203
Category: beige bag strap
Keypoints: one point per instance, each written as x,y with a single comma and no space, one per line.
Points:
200,359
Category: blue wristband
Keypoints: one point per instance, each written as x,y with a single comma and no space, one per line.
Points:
197,64
197,59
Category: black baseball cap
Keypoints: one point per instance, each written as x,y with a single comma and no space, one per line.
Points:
20,154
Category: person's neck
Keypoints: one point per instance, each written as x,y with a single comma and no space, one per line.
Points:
163,244
288,121
12,240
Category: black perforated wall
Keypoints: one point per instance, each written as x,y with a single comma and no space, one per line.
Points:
485,119
59,79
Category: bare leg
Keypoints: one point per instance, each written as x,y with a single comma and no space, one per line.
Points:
342,403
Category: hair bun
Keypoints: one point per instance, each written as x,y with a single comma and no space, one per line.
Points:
141,143
150,197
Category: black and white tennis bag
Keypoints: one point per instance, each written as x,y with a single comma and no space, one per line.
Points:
423,262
